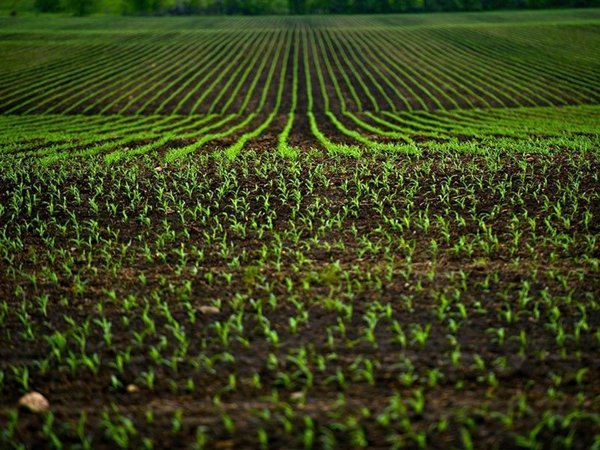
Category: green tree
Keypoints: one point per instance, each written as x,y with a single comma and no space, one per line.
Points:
47,5
82,7
297,6
144,6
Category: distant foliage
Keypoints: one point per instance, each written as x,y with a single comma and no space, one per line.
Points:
47,5
144,6
298,7
82,7
231,7
397,6
252,7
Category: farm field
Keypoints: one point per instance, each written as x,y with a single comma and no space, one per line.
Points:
309,232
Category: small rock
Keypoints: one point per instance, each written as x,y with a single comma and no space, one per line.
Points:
132,388
158,169
34,402
209,310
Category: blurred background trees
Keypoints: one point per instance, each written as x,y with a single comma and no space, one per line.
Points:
255,7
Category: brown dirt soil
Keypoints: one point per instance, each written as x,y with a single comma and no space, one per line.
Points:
346,413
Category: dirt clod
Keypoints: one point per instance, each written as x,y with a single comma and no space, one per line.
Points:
209,310
34,402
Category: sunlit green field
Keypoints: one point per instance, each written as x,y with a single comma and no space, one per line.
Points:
317,232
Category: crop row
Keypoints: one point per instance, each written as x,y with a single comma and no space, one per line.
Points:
338,84
319,302
364,69
53,137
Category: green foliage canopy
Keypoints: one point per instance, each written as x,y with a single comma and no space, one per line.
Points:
256,7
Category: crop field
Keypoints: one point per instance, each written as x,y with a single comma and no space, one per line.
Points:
313,232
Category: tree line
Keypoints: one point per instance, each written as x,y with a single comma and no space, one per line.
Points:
256,7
